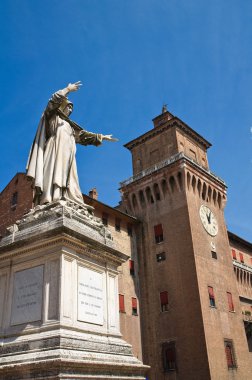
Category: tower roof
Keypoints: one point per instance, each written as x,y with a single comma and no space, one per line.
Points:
163,122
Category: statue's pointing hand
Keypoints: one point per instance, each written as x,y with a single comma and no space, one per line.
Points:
74,86
109,138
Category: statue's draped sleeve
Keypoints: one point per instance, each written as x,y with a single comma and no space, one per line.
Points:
89,138
55,102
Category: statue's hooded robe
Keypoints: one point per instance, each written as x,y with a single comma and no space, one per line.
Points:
52,163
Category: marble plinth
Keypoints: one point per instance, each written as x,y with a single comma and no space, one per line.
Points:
59,299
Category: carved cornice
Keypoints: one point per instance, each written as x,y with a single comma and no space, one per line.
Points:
30,247
174,122
60,224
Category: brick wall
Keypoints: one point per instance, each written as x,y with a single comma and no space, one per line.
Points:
15,200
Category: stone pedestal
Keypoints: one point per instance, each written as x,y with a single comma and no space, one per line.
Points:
59,300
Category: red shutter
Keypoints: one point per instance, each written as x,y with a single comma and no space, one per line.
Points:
229,355
241,257
230,302
234,254
210,291
158,229
164,298
170,354
131,265
121,303
134,303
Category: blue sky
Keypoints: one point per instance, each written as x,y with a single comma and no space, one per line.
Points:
133,56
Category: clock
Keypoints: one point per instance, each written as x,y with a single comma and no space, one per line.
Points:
208,220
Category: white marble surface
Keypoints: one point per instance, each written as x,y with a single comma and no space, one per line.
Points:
2,297
27,295
90,296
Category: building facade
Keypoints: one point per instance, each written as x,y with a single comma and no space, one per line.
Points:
185,295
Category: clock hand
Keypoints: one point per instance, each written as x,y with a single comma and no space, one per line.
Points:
210,214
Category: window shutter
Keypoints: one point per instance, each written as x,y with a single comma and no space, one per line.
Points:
117,224
164,298
134,303
229,355
234,254
132,265
241,257
170,354
210,291
129,228
121,303
230,302
158,230
105,217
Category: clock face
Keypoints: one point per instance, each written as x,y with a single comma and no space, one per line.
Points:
208,220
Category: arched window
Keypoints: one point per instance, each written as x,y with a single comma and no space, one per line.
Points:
164,186
204,190
156,191
149,195
194,183
179,177
172,183
141,197
134,201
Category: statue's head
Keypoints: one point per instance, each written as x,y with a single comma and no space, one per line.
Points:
66,107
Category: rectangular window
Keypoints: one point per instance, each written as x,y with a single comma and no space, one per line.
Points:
234,254
105,218
214,255
158,231
134,306
118,224
161,257
14,199
230,301
211,296
121,303
169,356
164,301
241,257
129,229
132,267
192,154
229,350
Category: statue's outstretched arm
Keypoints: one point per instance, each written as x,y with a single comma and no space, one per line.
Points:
109,138
59,96
90,138
71,87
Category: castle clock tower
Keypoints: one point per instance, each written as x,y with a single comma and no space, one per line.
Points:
191,317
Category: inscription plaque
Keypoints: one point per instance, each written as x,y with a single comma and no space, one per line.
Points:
90,296
27,296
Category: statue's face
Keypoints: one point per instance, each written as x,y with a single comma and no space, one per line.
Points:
68,109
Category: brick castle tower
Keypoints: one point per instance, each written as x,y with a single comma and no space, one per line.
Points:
190,309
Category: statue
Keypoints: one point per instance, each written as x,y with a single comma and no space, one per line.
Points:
51,163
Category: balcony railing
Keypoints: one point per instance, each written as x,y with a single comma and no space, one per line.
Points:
242,266
164,163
